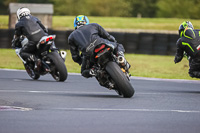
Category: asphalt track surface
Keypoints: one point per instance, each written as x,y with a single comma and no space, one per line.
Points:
80,105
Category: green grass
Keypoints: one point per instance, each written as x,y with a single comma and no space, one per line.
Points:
142,65
122,23
169,24
4,21
157,66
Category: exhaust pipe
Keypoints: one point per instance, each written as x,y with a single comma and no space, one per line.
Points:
121,60
63,54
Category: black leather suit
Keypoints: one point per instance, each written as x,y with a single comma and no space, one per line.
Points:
32,28
190,44
82,37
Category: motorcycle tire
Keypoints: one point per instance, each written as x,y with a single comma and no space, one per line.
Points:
121,81
59,73
31,72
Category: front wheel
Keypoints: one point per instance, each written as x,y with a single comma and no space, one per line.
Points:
58,68
121,82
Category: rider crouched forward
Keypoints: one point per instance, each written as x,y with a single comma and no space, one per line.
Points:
30,27
85,35
188,44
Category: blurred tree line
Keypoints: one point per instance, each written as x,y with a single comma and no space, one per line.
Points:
121,8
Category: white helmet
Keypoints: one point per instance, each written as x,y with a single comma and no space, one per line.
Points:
22,12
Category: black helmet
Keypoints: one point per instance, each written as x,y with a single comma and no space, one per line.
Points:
183,26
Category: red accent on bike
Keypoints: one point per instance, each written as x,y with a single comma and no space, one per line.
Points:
98,49
51,38
108,49
101,51
47,39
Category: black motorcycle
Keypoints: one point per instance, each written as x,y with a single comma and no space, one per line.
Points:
110,72
52,59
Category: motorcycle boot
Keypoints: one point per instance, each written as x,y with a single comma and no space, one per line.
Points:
36,61
88,73
93,71
38,64
194,74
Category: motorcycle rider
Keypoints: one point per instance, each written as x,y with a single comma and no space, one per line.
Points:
86,34
33,29
189,44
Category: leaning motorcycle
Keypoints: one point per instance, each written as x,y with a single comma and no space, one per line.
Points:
110,72
52,59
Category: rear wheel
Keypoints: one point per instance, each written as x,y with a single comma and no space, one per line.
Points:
58,68
122,83
31,72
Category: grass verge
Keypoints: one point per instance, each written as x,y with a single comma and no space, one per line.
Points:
142,65
120,23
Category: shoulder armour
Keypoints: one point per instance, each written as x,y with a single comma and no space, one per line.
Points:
189,33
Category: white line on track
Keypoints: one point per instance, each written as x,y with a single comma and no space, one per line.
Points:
84,92
63,92
138,110
14,108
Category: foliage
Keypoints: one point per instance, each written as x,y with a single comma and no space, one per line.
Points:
143,8
125,8
109,8
91,7
179,8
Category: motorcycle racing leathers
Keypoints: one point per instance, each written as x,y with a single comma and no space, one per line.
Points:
190,44
33,29
85,36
